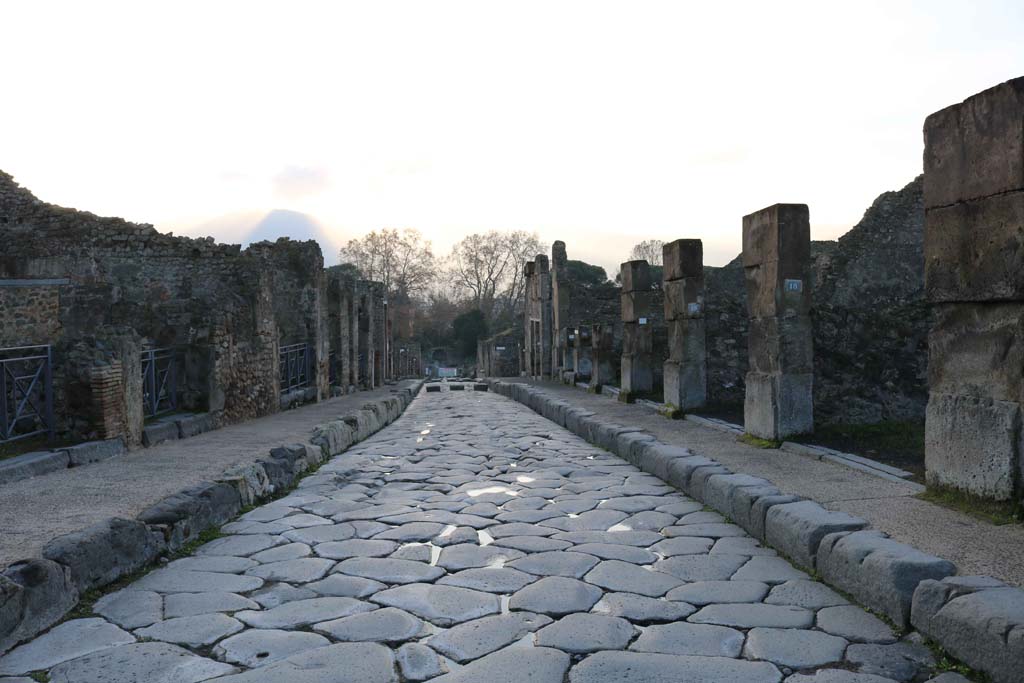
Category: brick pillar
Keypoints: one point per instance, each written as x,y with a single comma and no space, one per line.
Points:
974,281
777,266
686,370
602,343
637,334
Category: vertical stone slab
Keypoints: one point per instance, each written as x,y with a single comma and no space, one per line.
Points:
637,331
602,343
974,281
545,316
685,384
776,263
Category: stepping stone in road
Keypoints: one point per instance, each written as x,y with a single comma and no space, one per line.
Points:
629,578
387,625
690,639
474,639
557,596
440,605
197,631
304,612
794,648
63,642
584,633
259,647
140,662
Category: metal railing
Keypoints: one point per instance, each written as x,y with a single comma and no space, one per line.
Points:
159,381
294,367
26,391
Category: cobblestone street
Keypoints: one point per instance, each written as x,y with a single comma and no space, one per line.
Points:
473,540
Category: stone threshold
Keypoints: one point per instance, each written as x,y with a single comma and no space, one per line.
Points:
911,588
38,592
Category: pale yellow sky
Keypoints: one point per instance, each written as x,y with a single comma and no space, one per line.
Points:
599,123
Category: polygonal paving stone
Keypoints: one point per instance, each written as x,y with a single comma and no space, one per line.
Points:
419,663
557,563
681,508
556,595
528,516
304,520
344,586
480,637
202,629
280,593
239,546
372,512
519,529
441,605
806,594
606,667
290,551
304,612
795,648
639,539
754,615
355,547
223,564
450,536
899,661
192,604
532,544
131,609
293,571
632,504
629,578
389,570
420,552
140,663
468,556
497,580
649,521
739,545
65,641
259,647
844,676
769,570
714,592
513,665
414,531
853,623
183,581
608,551
701,567
595,520
690,639
583,633
368,528
387,625
255,528
704,530
642,610
321,534
341,663
684,545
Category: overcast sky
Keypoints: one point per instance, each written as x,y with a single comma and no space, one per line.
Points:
597,123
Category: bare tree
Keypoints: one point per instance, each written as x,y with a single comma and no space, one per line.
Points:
648,250
403,261
488,268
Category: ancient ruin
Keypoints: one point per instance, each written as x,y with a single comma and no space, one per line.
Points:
685,371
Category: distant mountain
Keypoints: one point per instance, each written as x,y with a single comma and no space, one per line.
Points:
248,227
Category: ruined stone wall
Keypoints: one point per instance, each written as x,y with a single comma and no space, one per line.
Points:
870,318
29,312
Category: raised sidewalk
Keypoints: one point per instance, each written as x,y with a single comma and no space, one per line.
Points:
975,546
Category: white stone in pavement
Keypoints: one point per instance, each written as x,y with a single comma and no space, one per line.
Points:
387,625
584,633
854,623
690,639
304,612
131,609
140,663
607,667
203,629
293,571
474,639
66,641
191,604
794,648
513,665
184,581
341,663
440,605
259,647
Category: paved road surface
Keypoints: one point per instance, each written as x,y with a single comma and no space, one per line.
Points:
473,540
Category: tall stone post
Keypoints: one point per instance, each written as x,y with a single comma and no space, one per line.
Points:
561,358
974,281
686,370
777,268
582,363
602,343
545,316
637,336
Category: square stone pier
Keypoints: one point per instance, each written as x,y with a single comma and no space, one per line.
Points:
637,330
777,269
974,281
686,370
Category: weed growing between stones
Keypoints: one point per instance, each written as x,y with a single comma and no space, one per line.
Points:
40,676
994,512
945,662
758,442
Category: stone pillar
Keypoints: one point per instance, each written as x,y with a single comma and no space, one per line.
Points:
546,318
777,269
560,358
602,343
974,281
582,362
686,370
637,334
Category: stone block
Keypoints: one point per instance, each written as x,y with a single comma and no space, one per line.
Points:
974,250
973,444
687,339
157,432
879,572
976,148
742,504
104,552
250,480
32,465
781,345
977,350
684,298
773,291
94,451
635,276
637,338
796,529
720,488
192,425
630,445
680,470
433,388
777,406
759,511
637,306
683,259
699,479
658,457
978,620
779,233
34,595
637,373
186,514
685,384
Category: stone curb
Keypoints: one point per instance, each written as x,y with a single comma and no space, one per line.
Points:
977,619
36,593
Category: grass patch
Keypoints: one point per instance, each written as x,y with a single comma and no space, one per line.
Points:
758,442
993,512
945,662
40,676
